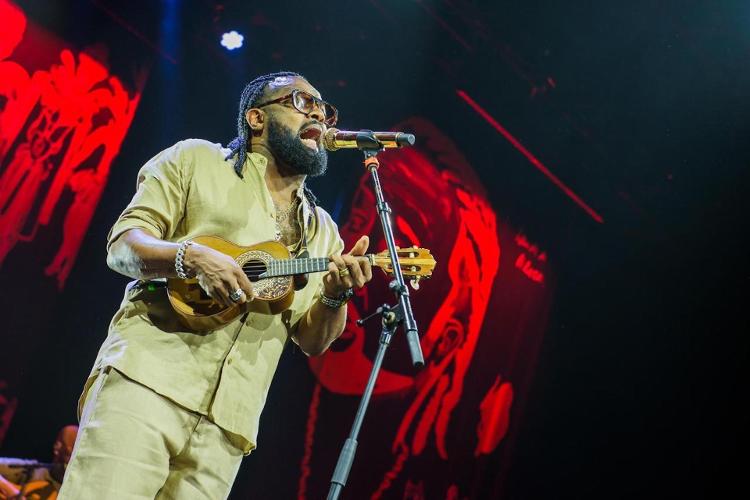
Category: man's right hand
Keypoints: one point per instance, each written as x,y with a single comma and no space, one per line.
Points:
140,255
218,274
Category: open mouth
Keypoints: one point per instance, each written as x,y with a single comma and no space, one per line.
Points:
311,136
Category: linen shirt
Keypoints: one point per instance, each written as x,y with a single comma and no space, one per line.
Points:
186,191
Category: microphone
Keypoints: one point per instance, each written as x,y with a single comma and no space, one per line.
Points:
363,139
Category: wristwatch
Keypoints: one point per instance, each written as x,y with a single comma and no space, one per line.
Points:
335,303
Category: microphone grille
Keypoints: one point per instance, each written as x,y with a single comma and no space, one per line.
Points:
329,139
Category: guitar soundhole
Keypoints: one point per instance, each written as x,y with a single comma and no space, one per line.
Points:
253,269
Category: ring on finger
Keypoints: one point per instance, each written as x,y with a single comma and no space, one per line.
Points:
343,272
236,295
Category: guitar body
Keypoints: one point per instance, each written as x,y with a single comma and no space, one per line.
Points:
201,313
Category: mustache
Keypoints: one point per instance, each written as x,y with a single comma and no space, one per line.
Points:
312,122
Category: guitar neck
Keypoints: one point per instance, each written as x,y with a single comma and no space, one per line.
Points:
289,267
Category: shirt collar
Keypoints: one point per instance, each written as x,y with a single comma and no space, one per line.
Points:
260,163
256,164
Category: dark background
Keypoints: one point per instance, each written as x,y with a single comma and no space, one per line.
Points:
640,107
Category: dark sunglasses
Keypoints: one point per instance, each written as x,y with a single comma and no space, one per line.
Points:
306,103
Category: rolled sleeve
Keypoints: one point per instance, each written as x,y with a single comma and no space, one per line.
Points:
159,202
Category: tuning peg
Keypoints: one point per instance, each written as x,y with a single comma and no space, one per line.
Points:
415,283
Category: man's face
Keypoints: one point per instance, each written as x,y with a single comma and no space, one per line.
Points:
294,138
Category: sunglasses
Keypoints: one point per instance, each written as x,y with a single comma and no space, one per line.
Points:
306,103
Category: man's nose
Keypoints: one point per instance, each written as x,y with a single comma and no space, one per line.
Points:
317,113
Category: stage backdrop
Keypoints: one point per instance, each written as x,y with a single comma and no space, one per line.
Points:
63,117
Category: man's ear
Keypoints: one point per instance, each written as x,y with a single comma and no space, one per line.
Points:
256,119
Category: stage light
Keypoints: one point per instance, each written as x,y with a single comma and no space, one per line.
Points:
232,40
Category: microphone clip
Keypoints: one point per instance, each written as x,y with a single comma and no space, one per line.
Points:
367,142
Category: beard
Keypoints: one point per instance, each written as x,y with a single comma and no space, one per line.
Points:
291,151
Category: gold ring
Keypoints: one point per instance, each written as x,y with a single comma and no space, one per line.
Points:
343,272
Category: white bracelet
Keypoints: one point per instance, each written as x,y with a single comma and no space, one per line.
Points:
178,260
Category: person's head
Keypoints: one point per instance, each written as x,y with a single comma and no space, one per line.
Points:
63,447
282,114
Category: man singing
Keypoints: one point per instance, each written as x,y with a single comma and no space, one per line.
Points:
168,412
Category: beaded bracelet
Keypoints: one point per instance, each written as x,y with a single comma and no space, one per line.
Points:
178,260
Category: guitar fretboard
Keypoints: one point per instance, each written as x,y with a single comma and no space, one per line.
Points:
288,267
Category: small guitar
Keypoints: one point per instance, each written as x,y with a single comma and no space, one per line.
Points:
271,271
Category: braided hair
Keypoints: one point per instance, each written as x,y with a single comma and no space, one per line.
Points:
250,95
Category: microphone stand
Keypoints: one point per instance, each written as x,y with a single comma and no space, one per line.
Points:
391,316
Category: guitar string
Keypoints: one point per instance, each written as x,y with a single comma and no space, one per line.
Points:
312,261
250,268
288,263
253,268
263,266
260,267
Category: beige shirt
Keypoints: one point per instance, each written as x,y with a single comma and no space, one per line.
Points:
186,191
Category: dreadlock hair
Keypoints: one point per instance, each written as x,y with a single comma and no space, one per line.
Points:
250,95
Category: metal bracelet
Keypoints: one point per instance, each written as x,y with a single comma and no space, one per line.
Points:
179,260
338,301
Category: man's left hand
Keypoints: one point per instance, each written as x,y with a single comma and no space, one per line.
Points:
349,270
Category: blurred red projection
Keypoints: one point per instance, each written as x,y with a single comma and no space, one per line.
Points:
60,128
